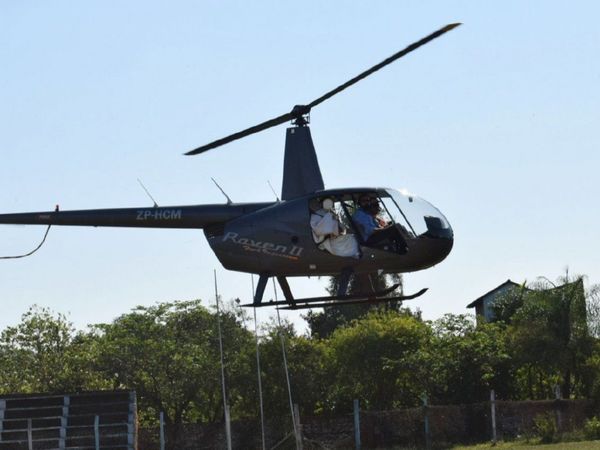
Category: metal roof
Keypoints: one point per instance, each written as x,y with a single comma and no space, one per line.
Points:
480,299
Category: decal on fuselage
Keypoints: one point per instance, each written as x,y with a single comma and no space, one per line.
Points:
158,214
268,248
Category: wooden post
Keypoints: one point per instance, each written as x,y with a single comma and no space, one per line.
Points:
162,430
97,432
427,430
29,435
493,408
356,424
298,427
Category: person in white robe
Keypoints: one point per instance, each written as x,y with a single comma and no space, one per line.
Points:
330,234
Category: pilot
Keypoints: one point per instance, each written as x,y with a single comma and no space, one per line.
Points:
330,234
372,228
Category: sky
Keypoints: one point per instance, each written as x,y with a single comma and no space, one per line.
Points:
495,123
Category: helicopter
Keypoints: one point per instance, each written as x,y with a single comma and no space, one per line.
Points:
309,231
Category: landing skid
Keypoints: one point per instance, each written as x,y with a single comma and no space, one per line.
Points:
307,303
290,300
338,300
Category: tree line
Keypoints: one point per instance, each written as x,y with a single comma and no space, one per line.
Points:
385,357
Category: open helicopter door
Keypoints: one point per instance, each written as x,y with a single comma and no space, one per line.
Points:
301,172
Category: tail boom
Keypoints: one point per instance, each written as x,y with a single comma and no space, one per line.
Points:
199,216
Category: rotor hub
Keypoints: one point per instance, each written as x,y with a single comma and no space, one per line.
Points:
300,115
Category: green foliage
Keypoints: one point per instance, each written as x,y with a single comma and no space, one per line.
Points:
169,353
386,358
469,360
550,340
507,304
591,428
375,359
546,428
323,323
590,372
305,358
43,354
593,310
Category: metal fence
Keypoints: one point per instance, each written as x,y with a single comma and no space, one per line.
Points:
428,426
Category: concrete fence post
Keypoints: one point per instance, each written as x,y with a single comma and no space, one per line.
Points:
558,397
162,430
493,411
63,422
426,414
132,423
2,408
29,435
97,432
356,424
299,443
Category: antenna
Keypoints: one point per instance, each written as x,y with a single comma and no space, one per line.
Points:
273,190
148,193
222,191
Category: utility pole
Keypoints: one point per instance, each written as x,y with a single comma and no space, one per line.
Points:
287,373
225,405
260,395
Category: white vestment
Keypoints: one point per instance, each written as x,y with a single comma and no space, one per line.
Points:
328,233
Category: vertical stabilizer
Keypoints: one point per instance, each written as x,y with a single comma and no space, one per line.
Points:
301,172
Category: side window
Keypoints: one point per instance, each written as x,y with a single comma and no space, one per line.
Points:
345,225
331,227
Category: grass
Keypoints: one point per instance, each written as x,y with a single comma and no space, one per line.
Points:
583,445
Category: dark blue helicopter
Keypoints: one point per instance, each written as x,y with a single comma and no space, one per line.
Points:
310,231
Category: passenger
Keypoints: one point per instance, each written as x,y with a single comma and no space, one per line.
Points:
372,228
330,234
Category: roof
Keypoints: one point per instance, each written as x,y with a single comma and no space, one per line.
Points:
496,289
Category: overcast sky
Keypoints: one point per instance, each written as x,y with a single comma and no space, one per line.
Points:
495,123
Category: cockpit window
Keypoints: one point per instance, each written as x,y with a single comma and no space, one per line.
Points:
420,214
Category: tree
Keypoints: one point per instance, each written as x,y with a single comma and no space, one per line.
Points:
550,337
373,359
506,305
593,310
322,324
169,353
44,354
467,360
305,365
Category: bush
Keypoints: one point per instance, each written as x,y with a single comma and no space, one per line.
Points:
591,429
545,427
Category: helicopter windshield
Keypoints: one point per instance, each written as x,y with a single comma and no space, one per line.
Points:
420,216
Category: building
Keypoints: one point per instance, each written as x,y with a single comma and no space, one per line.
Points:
483,304
573,292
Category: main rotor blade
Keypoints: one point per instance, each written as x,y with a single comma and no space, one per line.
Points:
384,63
299,110
240,134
